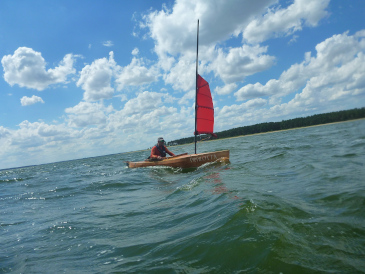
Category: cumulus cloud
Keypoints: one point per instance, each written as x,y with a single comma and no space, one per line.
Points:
136,74
233,110
241,62
235,115
149,113
338,64
145,102
334,76
142,125
286,21
32,135
96,78
39,142
188,97
27,68
182,75
174,32
4,132
27,101
86,114
225,90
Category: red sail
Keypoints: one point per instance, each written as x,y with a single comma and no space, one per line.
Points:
205,110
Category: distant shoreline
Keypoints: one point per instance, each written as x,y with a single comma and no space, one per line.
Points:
246,135
186,144
300,122
240,136
291,129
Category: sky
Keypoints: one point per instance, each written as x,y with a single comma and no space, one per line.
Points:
89,78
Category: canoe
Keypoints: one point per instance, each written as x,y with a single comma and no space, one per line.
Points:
185,160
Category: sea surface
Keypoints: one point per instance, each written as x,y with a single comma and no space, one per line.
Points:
288,202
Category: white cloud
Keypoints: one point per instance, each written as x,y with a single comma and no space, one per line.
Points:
339,85
182,75
333,78
286,21
27,68
145,102
135,51
90,129
108,43
162,120
338,65
4,132
188,97
38,142
175,30
33,135
96,78
136,74
236,110
225,90
85,114
241,62
236,115
147,114
27,101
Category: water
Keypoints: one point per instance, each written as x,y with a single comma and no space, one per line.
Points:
289,202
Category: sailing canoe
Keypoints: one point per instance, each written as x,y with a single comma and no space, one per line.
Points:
204,124
185,161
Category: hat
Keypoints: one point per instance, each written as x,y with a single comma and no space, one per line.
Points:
160,139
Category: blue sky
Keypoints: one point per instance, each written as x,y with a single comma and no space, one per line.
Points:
88,78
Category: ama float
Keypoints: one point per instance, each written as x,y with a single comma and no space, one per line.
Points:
204,124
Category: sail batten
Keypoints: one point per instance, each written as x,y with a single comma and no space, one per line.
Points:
205,110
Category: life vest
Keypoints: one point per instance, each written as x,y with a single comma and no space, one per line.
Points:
161,150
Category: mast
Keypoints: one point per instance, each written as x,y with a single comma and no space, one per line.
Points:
196,83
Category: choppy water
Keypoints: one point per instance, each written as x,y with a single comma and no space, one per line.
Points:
289,202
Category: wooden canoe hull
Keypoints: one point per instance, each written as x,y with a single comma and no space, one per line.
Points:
185,161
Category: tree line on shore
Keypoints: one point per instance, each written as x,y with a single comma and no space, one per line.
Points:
318,119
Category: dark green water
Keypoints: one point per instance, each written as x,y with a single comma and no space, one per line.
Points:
289,202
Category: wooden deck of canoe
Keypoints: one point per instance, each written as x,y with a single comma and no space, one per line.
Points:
185,160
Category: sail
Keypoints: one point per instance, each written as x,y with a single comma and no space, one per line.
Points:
205,110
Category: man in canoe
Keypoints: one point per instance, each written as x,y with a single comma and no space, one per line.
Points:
159,151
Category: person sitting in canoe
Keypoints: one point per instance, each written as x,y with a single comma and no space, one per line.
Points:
159,150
